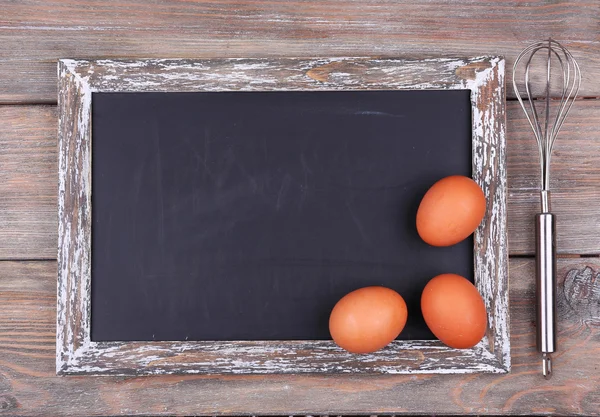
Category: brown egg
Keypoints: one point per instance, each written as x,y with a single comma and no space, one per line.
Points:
454,311
367,319
450,211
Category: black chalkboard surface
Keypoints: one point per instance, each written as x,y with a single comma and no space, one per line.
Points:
247,215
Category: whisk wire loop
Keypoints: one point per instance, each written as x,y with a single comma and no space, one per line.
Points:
571,80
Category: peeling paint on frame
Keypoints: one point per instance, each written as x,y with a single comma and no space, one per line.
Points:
78,79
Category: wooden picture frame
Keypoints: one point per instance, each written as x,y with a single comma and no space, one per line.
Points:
78,79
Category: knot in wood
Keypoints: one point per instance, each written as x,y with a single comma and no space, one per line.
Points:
8,403
582,293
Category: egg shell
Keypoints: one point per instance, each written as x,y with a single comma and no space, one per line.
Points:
450,211
367,319
454,311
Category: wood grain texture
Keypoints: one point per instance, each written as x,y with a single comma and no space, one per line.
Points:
289,74
574,179
577,221
28,182
78,79
74,215
34,33
575,160
28,385
28,216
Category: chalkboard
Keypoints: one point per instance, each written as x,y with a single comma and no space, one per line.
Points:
212,211
247,215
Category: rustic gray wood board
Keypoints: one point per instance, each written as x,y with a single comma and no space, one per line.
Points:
33,38
29,386
78,79
28,151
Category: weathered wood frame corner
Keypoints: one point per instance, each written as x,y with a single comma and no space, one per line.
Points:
78,79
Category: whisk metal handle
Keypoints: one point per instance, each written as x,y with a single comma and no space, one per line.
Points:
546,288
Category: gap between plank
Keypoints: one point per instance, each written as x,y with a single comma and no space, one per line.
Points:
28,259
55,102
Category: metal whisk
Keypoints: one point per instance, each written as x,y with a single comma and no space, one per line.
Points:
546,126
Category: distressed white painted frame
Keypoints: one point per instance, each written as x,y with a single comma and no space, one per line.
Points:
78,79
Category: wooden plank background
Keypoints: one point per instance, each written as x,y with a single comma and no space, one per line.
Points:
34,33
